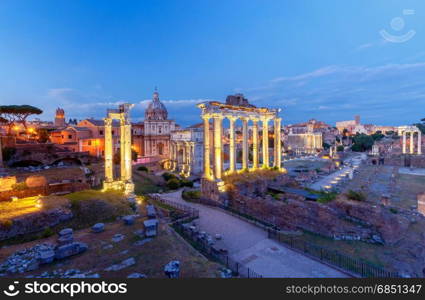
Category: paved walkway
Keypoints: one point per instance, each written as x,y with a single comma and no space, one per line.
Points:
332,179
412,171
250,246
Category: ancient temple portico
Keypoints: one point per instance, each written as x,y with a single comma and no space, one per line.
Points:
125,181
404,131
217,112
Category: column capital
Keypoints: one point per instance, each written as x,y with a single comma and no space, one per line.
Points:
206,117
107,121
231,117
265,119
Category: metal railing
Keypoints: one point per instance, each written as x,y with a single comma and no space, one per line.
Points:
332,257
201,244
214,254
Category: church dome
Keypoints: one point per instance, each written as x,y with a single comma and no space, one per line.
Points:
156,110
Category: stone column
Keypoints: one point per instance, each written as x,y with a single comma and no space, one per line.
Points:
187,154
218,162
419,143
255,144
245,148
109,175
128,151
404,142
265,142
411,142
278,146
207,171
232,145
122,148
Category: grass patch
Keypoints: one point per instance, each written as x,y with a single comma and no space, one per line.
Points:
244,177
90,207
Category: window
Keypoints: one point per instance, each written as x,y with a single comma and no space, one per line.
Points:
69,136
89,143
113,132
101,132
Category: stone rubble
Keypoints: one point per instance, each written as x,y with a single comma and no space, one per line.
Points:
136,275
124,264
172,269
99,227
30,259
71,273
117,237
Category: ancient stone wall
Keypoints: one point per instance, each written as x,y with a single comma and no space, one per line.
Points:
34,222
60,188
340,219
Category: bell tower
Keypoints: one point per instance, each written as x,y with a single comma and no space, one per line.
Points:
60,118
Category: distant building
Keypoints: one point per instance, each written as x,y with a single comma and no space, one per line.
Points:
238,100
186,153
348,125
60,118
87,135
157,129
150,139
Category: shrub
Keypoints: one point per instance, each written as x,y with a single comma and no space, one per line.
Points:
47,233
326,197
356,196
185,182
143,169
167,176
393,210
19,186
6,224
173,184
191,195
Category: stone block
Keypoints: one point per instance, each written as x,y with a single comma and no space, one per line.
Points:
65,251
136,275
172,269
99,227
129,220
66,231
66,239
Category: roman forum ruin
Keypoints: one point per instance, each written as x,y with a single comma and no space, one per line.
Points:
217,112
125,182
404,130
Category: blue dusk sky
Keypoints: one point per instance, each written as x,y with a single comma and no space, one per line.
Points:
323,59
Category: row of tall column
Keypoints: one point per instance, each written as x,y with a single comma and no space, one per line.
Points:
412,145
125,150
218,146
